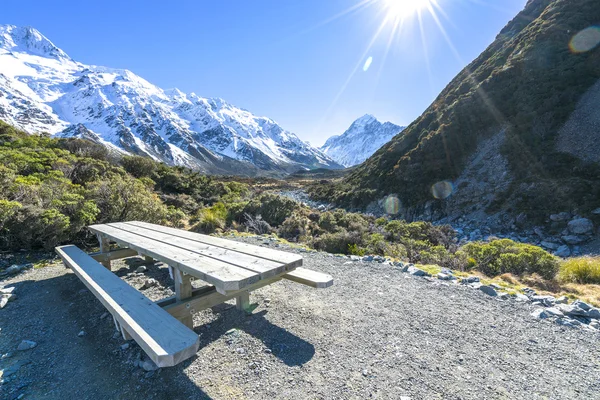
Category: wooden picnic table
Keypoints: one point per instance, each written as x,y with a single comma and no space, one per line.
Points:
230,269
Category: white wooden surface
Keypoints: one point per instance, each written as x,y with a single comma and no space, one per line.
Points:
166,341
309,277
228,265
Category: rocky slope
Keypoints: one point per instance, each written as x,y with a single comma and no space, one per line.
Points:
364,137
43,89
502,140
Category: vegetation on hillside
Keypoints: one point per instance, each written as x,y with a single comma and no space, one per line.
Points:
527,82
50,189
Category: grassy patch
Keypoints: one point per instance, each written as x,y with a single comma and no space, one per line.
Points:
580,270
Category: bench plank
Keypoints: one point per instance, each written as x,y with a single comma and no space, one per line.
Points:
310,278
265,268
225,277
290,259
166,340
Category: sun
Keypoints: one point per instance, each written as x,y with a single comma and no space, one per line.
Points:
400,9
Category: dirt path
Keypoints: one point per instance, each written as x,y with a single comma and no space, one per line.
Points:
377,333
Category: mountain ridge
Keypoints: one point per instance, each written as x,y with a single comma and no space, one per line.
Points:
364,136
43,89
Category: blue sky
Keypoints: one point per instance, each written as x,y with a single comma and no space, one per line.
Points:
289,60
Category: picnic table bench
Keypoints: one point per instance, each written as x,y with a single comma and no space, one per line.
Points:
163,329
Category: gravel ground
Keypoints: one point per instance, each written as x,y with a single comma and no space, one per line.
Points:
377,333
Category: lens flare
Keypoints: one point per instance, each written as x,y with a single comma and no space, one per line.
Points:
442,190
391,205
367,64
585,40
404,8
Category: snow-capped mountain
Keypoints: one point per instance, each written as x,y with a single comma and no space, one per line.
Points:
364,137
43,89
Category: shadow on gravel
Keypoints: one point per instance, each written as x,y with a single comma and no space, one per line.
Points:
286,346
64,365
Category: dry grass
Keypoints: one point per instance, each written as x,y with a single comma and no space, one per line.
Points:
580,270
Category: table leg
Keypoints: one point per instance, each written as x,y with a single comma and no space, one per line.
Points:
242,302
104,248
183,290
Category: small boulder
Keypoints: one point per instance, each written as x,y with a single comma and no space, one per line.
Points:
540,313
148,365
355,258
581,226
490,291
367,258
554,312
595,324
470,279
417,272
521,297
593,313
550,245
547,301
81,333
563,251
563,216
503,296
574,239
141,269
562,300
445,277
149,283
26,345
582,305
3,302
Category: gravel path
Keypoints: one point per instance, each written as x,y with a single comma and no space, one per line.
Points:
377,333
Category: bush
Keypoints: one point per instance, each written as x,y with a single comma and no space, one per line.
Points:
337,243
506,256
297,226
581,270
273,208
210,219
139,166
123,198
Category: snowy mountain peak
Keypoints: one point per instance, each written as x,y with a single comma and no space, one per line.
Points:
29,40
364,137
42,89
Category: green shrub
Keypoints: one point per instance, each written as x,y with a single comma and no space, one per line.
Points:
139,167
272,208
506,256
337,243
123,198
210,219
581,270
295,227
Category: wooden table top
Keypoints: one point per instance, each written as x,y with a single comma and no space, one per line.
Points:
226,264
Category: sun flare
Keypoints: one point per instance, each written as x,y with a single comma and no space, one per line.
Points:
400,9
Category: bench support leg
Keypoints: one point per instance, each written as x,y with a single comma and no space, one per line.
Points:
242,302
183,290
104,248
119,328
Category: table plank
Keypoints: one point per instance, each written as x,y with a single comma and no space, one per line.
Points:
224,276
265,268
290,259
